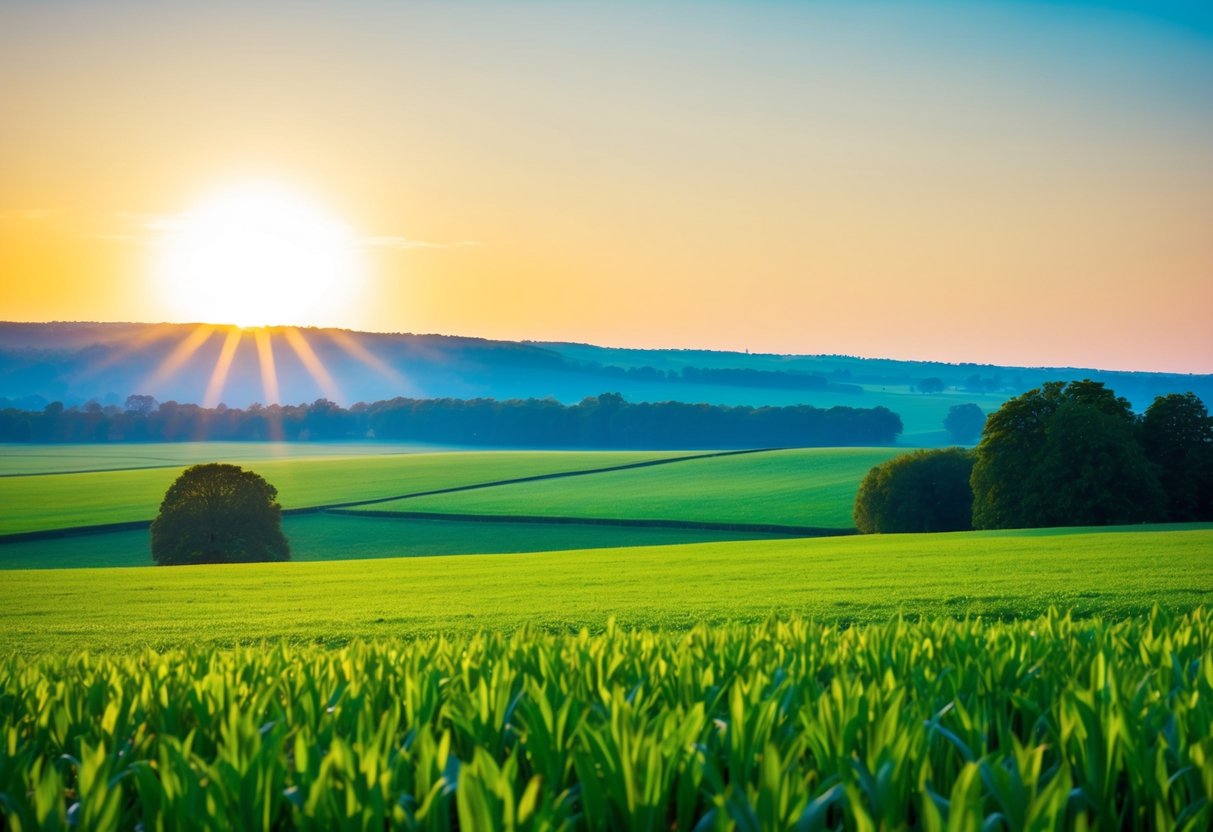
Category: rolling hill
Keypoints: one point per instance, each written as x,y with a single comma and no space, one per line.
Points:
105,362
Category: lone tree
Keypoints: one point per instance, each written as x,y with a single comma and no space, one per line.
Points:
923,491
218,513
964,422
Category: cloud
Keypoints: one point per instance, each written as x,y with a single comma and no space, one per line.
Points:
156,229
399,242
135,227
28,214
122,238
153,229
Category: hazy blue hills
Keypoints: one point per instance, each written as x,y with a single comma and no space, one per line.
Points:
105,362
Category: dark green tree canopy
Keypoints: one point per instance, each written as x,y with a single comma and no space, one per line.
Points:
924,491
1063,455
217,513
1093,471
1177,435
964,422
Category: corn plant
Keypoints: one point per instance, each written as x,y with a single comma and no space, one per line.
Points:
940,724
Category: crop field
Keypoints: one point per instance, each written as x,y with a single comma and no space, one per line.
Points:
860,578
808,487
46,501
612,649
327,536
1042,723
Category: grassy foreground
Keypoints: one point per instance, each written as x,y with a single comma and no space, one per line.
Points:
1009,574
1038,724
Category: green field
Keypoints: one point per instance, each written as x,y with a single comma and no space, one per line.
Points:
318,537
590,676
24,458
1036,724
40,502
804,487
862,578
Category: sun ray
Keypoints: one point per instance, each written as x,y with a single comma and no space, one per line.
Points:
355,348
219,375
312,363
144,339
181,353
269,372
269,381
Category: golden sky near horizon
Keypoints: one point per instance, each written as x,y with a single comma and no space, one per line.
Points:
961,182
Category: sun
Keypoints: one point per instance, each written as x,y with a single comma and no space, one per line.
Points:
257,254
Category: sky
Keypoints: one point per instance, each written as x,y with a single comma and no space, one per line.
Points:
1025,183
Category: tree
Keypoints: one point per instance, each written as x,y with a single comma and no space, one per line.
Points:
1177,435
924,491
931,385
964,422
217,513
140,404
1063,455
1094,471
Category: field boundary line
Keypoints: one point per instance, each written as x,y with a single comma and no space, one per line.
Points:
642,522
555,475
237,461
473,449
103,528
88,471
74,531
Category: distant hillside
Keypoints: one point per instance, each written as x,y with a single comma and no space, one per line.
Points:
79,362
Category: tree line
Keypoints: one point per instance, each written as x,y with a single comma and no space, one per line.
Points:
1064,454
605,421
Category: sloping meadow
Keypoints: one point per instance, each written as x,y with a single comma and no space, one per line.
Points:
790,724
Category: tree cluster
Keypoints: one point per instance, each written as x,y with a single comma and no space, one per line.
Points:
605,421
1075,455
1064,454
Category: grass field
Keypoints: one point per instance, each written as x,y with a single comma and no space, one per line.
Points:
808,487
317,537
39,502
19,459
868,578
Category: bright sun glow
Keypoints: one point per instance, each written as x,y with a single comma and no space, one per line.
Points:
257,255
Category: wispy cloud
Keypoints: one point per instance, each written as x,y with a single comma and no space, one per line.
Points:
135,227
153,229
122,238
163,224
28,214
395,241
